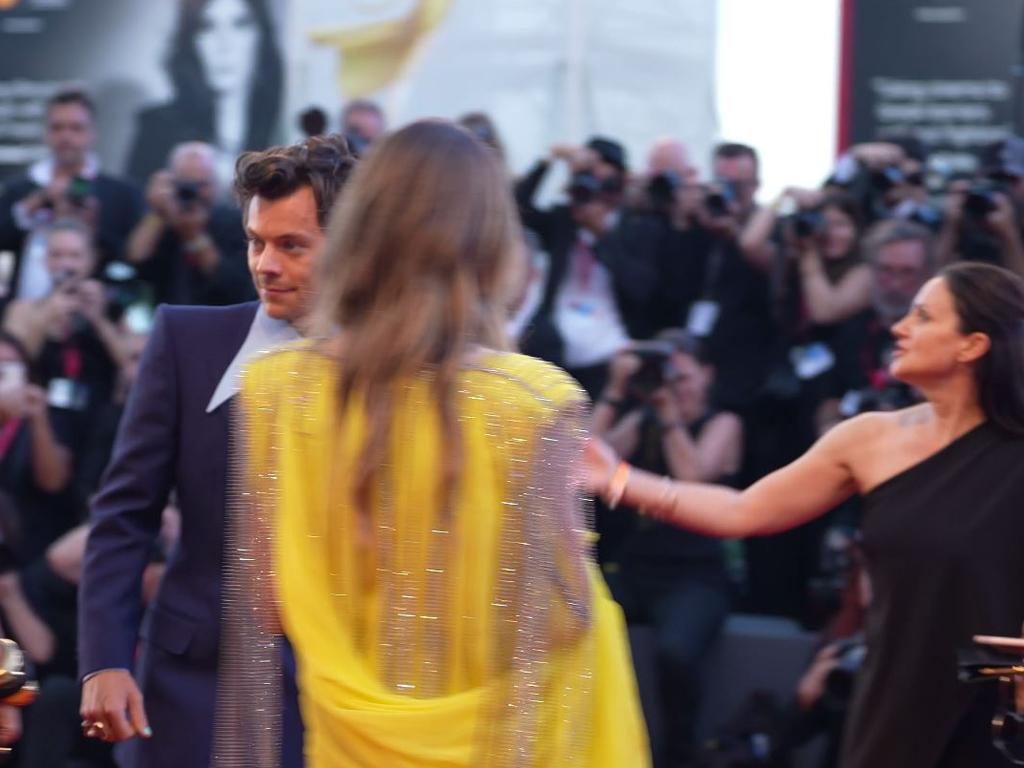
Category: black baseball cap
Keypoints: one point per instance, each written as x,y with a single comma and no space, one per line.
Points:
609,150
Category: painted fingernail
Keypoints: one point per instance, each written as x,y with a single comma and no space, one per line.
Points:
147,731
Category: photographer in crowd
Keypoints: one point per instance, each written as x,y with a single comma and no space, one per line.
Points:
983,216
901,256
66,184
827,286
35,463
602,273
74,345
656,410
362,123
710,285
190,247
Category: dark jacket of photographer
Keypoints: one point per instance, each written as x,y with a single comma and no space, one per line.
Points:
629,251
742,342
176,281
120,208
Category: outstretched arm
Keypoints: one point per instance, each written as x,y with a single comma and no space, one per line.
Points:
810,486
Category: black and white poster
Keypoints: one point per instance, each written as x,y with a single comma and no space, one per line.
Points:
160,71
944,71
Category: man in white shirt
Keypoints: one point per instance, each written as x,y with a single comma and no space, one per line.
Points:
67,184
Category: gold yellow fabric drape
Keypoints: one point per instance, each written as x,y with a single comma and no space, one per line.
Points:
480,637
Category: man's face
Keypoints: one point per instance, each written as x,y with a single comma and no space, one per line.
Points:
364,123
671,157
285,242
69,134
741,172
69,256
899,273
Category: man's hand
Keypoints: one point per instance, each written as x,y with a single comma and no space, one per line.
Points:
805,199
32,202
92,300
666,405
34,402
812,685
112,705
954,207
566,152
58,308
878,154
622,367
1003,220
160,195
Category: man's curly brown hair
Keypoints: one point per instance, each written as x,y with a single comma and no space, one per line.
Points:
322,163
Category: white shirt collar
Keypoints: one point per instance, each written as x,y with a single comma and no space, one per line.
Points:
265,334
41,171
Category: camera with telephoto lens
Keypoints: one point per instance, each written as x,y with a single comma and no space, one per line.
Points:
808,223
719,198
651,375
981,199
585,187
884,179
662,188
187,193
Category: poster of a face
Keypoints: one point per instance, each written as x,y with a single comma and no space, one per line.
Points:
223,63
237,73
161,72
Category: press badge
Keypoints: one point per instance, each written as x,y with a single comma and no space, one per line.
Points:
702,318
811,361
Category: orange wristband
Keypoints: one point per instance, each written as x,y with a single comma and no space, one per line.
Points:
617,486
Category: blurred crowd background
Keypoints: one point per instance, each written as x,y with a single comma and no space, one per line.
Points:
719,330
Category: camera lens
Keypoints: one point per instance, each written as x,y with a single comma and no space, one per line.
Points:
662,188
980,201
583,187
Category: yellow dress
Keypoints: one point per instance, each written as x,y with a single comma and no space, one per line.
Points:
485,637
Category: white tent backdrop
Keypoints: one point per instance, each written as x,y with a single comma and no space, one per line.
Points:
547,71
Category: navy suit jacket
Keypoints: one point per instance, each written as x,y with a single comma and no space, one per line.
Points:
167,441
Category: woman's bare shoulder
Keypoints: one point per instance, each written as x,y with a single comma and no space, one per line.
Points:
867,429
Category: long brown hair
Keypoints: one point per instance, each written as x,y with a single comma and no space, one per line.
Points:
414,274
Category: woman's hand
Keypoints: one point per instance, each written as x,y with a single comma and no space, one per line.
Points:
666,406
622,367
599,463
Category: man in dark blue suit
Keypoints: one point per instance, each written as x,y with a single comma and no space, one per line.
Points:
175,436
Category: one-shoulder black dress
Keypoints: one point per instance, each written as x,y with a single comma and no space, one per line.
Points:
944,542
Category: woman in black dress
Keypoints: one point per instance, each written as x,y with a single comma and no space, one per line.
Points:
943,487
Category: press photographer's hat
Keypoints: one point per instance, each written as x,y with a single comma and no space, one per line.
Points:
609,150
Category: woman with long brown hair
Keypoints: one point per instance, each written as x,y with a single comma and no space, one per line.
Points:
408,509
942,490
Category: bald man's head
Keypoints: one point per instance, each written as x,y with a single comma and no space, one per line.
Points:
194,164
668,155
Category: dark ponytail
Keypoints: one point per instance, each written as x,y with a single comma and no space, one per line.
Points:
990,300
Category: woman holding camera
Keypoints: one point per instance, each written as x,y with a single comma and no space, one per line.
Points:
941,484
656,411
